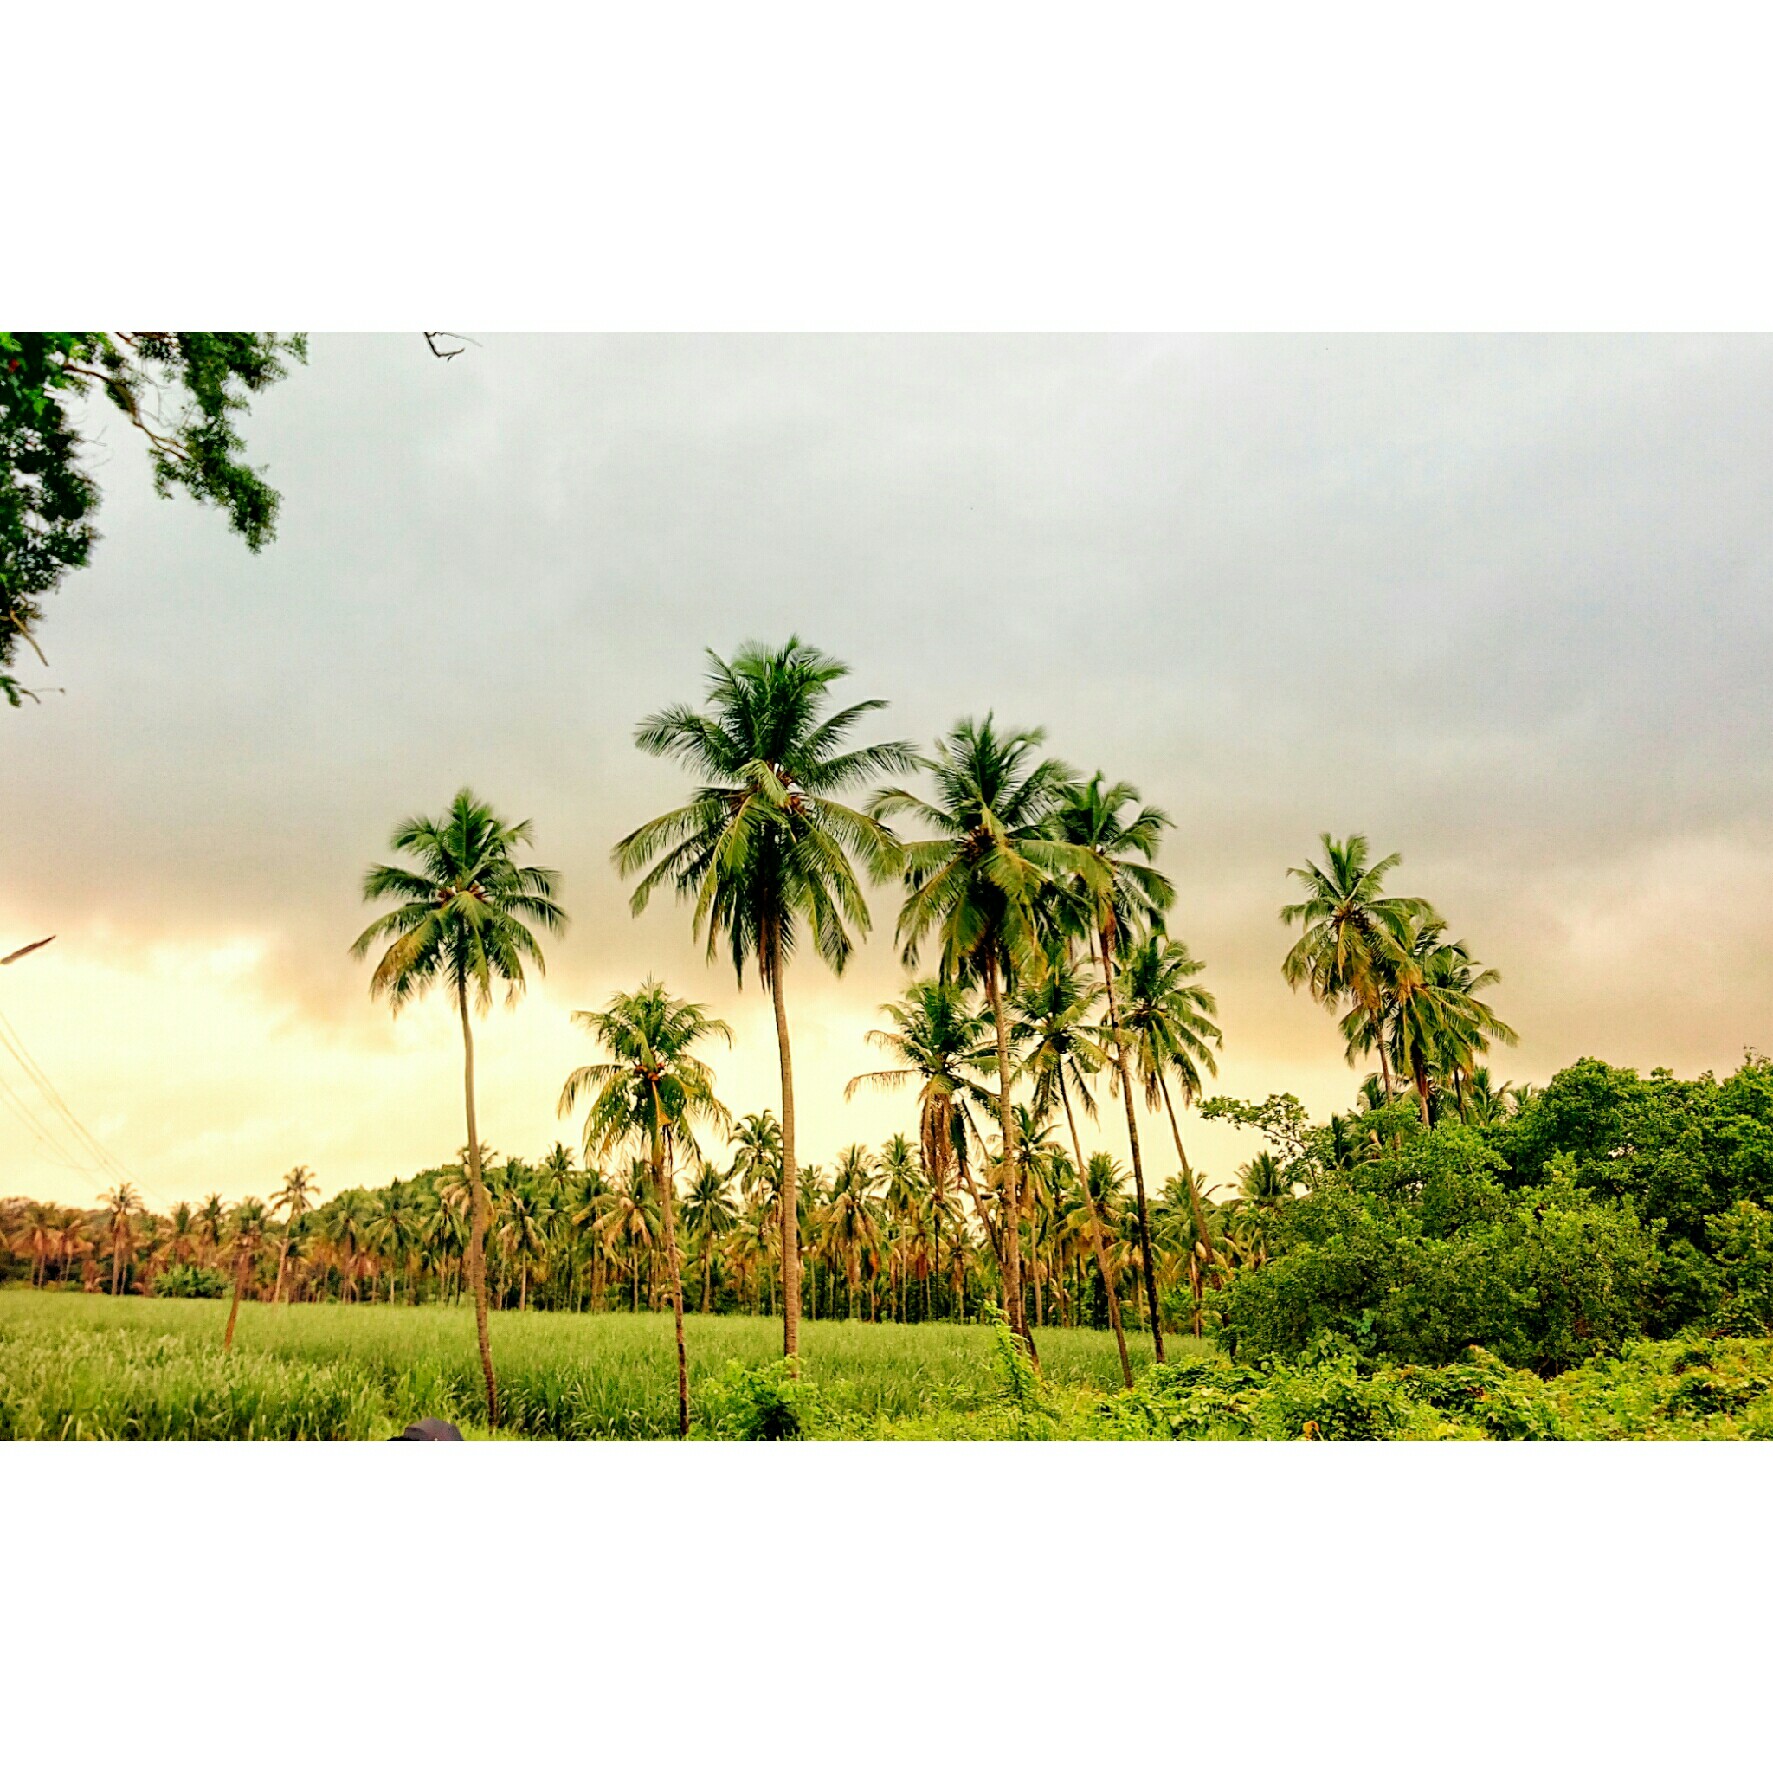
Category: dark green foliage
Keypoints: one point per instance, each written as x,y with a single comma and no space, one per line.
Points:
1744,1241
1691,1388
1420,1251
1486,1394
1685,1288
185,1280
757,1404
1679,1150
181,390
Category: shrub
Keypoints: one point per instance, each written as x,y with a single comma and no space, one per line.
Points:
1743,1238
185,1280
758,1404
1417,1252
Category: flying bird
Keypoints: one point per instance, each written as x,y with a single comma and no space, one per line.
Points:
19,953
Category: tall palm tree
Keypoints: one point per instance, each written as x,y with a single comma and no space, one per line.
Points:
765,848
212,1224
632,1218
1168,1020
1353,934
936,1037
1124,894
650,1093
121,1205
293,1199
975,885
246,1233
37,1238
852,1215
462,918
709,1213
1062,1053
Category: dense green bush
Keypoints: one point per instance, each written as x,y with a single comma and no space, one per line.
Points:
1418,1250
1743,1238
185,1280
1679,1151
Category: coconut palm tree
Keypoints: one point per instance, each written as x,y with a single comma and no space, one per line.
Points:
852,1216
462,918
1353,934
765,848
36,1237
975,885
632,1219
650,1094
709,1213
246,1235
71,1240
1123,894
1061,1053
293,1199
1168,1022
936,1038
212,1225
1097,1208
120,1205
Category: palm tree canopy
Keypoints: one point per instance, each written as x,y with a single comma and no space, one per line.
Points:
975,884
464,907
653,1088
764,845
1127,894
938,1037
1166,1017
1059,1042
1351,928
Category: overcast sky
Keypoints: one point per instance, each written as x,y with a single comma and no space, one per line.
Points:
1501,603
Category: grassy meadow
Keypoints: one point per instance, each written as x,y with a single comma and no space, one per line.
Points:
80,1366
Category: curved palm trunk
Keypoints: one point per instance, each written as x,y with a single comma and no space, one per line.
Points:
1126,1091
668,1216
1120,1335
707,1275
477,1222
1196,1204
790,1202
1012,1189
234,1309
282,1270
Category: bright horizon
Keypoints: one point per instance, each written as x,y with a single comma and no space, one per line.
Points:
1498,603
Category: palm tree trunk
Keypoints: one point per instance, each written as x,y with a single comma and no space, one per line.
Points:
707,1275
1378,1020
282,1268
478,1218
234,1309
1126,1090
1196,1204
790,1207
1011,1190
1120,1335
669,1217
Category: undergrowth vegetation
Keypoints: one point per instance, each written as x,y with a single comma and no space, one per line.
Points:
82,1368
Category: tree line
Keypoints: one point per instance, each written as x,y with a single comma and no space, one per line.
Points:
1033,893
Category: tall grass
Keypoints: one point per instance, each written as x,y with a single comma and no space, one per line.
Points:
88,1367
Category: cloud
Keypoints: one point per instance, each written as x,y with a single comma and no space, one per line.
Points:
1500,602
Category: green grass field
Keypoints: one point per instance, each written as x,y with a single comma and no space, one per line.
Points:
88,1367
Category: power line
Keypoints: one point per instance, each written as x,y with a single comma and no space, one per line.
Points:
39,1131
13,1042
